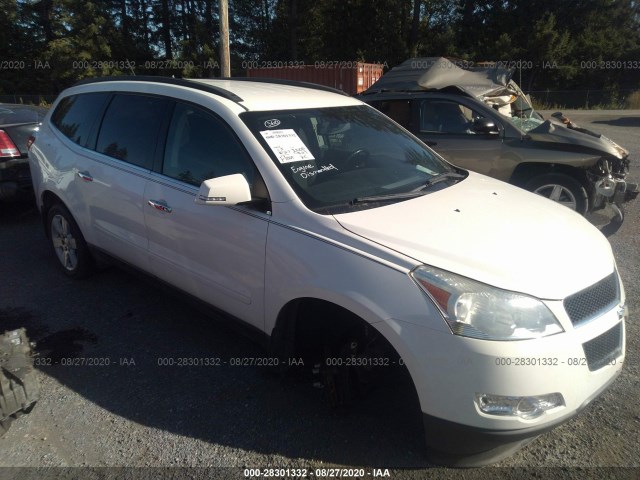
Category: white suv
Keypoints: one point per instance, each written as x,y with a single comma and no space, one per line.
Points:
341,238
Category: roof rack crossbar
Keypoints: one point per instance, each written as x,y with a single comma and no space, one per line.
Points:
183,82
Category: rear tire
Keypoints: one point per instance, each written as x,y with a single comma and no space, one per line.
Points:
561,188
67,242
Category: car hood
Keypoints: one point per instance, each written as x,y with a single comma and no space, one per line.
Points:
555,132
494,233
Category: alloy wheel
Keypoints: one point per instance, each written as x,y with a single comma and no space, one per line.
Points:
64,243
558,193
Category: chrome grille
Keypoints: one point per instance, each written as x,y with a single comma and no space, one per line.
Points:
603,349
594,300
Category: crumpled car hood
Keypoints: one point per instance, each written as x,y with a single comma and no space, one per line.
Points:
554,131
494,233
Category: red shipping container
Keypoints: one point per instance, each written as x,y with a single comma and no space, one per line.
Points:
350,77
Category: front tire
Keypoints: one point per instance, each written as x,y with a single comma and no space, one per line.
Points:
562,189
68,243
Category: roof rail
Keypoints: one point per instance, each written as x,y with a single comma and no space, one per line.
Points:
282,81
167,80
369,91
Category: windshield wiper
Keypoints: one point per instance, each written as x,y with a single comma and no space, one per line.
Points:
441,177
417,192
387,197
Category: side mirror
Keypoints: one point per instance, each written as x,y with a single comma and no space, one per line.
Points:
485,126
227,190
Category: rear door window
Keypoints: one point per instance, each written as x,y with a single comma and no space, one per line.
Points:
76,115
130,128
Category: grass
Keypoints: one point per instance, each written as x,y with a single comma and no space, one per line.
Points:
582,100
633,101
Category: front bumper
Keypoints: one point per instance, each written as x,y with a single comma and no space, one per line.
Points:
456,445
449,370
611,194
616,190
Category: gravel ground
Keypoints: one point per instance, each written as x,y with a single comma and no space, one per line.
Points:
135,413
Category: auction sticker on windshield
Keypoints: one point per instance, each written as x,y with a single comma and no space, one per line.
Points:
287,145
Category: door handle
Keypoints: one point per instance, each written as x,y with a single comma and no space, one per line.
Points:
160,205
85,176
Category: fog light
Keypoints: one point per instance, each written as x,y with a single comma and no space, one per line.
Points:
527,408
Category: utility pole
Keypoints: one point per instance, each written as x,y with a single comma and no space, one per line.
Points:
225,67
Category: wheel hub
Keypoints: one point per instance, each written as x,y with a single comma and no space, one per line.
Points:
559,194
63,242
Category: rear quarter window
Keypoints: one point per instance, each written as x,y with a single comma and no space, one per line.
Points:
76,115
397,110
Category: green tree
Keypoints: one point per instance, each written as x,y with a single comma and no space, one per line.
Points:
558,39
83,50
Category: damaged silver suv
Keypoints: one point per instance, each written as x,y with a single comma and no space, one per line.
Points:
478,118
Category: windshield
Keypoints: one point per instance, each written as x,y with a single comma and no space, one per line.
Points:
518,109
344,158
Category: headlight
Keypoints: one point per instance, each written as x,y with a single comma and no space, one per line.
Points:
473,309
